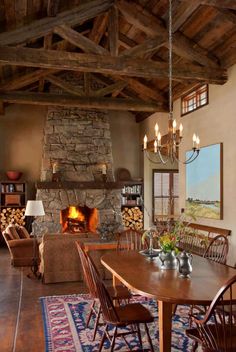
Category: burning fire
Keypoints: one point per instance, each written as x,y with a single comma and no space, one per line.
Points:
79,219
74,213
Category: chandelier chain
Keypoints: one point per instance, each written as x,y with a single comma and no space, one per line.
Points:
170,61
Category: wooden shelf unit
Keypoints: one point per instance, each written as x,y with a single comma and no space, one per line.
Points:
13,198
132,205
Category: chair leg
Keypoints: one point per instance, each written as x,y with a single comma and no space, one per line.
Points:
90,314
149,338
103,339
139,337
113,340
95,329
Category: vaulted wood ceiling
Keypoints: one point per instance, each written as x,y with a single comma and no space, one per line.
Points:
121,44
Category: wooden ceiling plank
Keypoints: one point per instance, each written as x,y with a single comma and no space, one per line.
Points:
76,101
99,28
79,40
41,27
148,46
183,12
106,64
64,85
152,26
10,14
113,31
118,86
52,7
141,18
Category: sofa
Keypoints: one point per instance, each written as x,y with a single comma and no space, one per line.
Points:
20,245
59,258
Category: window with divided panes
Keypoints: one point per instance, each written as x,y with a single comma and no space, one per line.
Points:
165,194
194,100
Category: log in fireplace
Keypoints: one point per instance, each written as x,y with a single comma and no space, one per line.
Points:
76,219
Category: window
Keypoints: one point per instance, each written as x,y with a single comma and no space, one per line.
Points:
165,194
194,100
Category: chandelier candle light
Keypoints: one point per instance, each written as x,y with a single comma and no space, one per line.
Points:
169,147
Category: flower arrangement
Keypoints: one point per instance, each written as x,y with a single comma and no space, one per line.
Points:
168,242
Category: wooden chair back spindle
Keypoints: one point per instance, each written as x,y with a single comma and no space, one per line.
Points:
217,249
130,240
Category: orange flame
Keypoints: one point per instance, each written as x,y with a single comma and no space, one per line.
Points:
74,213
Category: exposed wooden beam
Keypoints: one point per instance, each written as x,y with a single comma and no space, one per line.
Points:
25,79
224,4
99,28
47,44
229,15
64,85
79,40
183,12
87,83
152,26
2,110
148,46
113,31
83,102
144,90
110,89
106,65
40,28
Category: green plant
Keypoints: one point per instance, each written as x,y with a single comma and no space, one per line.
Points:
168,242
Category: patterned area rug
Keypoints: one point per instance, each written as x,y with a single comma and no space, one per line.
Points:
64,326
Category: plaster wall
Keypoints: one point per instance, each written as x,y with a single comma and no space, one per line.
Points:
21,135
125,142
215,123
147,127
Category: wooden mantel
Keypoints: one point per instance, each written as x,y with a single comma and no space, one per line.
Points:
83,185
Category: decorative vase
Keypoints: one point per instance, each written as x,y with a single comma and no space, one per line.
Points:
168,260
150,245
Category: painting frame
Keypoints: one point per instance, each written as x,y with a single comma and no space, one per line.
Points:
206,208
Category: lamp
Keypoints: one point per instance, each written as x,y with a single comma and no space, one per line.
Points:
34,208
170,144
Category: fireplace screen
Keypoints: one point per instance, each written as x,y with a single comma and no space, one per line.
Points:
76,219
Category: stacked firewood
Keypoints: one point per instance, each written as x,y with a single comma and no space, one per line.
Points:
132,218
12,216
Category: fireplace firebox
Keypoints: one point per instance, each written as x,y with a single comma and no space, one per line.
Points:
76,219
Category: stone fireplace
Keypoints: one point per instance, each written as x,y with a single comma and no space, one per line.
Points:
79,143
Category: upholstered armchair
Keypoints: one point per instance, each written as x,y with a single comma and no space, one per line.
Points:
20,245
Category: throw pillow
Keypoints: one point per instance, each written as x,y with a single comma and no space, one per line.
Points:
11,231
22,232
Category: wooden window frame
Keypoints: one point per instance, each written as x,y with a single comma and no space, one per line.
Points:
195,93
171,171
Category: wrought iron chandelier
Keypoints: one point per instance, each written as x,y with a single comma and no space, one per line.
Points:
167,150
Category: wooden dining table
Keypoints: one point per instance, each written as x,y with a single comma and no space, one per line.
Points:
145,277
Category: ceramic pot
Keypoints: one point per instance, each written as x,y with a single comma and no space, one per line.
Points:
168,260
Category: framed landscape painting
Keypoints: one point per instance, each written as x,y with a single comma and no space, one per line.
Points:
204,182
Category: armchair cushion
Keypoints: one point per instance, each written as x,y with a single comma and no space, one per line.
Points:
11,232
22,232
